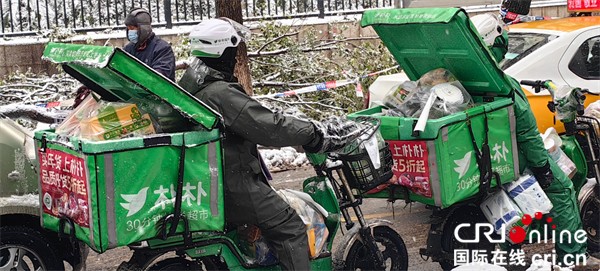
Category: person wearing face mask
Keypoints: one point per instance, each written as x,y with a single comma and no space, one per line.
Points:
146,46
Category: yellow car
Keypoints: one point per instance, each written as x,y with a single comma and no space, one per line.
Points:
566,51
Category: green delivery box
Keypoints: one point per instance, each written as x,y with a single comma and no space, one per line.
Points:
118,192
439,165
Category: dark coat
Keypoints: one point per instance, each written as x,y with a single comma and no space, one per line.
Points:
157,54
247,123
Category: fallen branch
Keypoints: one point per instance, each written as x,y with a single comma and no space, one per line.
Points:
285,50
276,39
31,112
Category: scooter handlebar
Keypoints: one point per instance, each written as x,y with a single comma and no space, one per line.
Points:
530,83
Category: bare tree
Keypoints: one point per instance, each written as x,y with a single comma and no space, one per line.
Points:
232,9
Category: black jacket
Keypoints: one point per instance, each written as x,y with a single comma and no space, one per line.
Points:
157,54
247,123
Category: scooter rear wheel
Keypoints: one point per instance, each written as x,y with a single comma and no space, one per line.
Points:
173,264
391,246
470,215
590,220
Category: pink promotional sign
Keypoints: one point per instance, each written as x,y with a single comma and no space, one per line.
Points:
583,5
411,167
64,186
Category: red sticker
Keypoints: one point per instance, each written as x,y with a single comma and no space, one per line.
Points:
411,167
64,186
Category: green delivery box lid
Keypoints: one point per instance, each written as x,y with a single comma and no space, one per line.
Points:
439,165
425,39
118,76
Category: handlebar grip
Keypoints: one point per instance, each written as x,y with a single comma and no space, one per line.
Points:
529,83
580,95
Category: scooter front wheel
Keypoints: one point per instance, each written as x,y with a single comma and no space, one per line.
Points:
389,243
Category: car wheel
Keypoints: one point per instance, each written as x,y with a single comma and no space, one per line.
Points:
23,248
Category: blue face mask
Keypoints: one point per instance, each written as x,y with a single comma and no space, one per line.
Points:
132,36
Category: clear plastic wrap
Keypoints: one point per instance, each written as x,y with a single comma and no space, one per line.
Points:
315,224
254,245
116,120
567,108
528,195
500,210
437,76
86,109
552,143
593,110
446,96
398,94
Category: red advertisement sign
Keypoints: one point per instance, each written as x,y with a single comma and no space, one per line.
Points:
583,5
64,186
411,167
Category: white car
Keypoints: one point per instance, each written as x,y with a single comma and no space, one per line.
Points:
566,51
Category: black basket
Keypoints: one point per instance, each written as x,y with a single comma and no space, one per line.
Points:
360,172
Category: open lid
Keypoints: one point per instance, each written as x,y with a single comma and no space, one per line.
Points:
425,39
117,76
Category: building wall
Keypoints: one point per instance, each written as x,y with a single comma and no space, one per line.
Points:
28,56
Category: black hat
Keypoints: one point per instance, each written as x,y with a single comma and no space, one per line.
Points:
141,18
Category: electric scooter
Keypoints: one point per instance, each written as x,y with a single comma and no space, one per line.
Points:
580,143
367,245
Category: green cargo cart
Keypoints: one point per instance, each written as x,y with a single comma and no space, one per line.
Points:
117,192
448,162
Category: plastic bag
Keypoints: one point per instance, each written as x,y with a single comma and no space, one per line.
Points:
398,94
437,76
253,244
71,125
116,120
500,210
593,110
568,105
528,195
315,224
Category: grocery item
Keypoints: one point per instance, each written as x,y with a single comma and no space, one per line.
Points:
528,195
448,97
552,143
86,109
437,76
396,96
116,120
254,245
500,210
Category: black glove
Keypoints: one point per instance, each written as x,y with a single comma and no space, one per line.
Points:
333,134
543,175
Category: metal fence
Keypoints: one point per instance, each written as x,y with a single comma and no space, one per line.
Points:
32,17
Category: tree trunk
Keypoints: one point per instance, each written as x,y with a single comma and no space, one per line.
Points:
232,9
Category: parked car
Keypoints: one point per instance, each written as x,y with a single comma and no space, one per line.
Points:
567,51
24,244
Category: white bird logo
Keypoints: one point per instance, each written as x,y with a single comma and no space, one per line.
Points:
136,201
463,164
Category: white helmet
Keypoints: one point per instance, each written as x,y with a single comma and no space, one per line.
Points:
489,27
211,38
